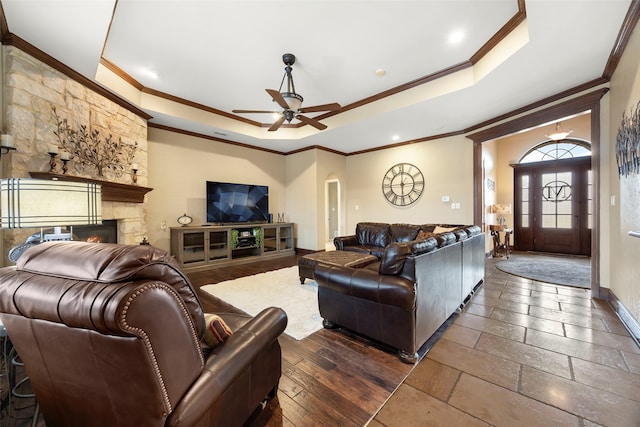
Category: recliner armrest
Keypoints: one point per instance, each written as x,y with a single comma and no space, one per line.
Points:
226,362
341,241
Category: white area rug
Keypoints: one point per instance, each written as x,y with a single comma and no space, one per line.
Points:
279,288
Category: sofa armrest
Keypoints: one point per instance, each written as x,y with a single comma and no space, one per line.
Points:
341,241
226,363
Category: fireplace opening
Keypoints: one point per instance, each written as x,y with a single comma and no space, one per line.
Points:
107,232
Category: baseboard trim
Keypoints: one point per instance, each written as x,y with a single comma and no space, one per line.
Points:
627,319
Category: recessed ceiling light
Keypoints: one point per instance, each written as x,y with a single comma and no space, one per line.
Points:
380,72
456,36
147,72
395,137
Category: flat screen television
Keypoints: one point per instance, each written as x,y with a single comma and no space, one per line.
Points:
228,202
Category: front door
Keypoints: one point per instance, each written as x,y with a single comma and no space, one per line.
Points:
553,206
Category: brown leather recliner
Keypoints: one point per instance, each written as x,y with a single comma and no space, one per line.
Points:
111,335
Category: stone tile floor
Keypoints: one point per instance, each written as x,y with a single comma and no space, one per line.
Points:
524,353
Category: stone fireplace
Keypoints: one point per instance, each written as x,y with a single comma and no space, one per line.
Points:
107,232
31,89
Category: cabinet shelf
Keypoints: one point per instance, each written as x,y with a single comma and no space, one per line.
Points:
200,248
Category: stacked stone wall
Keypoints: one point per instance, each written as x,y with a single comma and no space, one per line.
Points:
30,89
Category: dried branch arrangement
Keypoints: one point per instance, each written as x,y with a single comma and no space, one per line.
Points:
628,143
88,149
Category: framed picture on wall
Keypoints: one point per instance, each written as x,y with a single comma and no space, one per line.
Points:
491,184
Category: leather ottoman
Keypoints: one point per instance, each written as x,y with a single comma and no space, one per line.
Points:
307,263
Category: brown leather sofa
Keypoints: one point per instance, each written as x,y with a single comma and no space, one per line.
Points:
112,335
404,298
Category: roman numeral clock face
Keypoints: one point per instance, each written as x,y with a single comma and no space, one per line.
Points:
402,184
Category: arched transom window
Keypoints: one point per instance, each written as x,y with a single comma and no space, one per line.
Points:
556,150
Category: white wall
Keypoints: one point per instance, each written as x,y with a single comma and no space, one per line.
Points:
447,166
302,197
625,215
180,165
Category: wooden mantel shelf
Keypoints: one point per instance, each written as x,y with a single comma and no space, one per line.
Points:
111,191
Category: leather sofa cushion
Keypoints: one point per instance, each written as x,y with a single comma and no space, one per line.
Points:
445,239
472,230
404,232
373,234
393,258
361,249
423,246
431,227
396,253
461,235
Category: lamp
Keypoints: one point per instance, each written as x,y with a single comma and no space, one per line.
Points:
501,210
559,133
28,203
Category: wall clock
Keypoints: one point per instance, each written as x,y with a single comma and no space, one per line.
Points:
402,184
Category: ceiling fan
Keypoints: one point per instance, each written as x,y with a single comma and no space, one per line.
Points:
291,102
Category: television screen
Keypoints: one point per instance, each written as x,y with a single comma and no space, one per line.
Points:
227,202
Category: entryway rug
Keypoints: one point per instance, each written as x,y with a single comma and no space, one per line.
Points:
278,288
558,270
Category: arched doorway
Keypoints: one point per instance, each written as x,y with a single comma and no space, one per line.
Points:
553,198
332,215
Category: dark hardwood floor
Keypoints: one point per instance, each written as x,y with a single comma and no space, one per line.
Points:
330,378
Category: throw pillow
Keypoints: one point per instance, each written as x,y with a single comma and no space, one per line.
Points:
423,235
217,331
439,229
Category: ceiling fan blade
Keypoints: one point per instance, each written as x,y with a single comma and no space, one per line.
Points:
278,98
255,111
324,107
313,122
277,124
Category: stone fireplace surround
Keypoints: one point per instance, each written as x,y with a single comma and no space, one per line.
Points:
30,89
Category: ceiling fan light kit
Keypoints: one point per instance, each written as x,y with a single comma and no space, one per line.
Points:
291,102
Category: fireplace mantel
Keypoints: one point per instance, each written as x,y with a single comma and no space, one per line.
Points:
111,191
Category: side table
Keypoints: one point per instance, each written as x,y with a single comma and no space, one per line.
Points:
497,244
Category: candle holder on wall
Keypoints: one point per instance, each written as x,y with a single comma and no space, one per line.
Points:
64,165
134,175
6,144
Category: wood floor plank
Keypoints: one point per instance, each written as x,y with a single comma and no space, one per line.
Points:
329,378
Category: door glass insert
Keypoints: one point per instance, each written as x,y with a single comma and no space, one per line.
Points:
556,200
524,201
589,200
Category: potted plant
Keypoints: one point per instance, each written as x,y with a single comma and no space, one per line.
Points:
257,232
234,238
